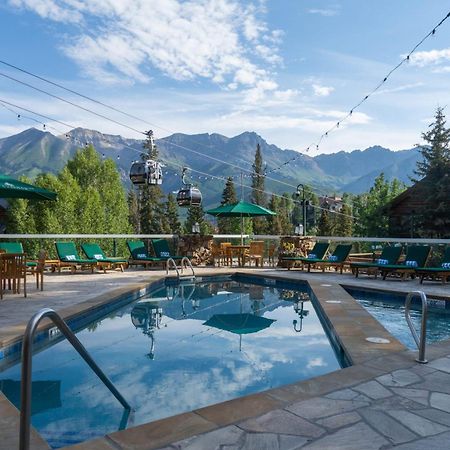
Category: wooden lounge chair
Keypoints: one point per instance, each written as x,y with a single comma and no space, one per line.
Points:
139,254
416,256
390,254
68,257
337,259
441,272
317,254
162,250
94,251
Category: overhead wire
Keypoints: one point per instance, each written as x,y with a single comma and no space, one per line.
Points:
405,59
99,102
168,161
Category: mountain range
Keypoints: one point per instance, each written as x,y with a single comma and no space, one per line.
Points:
34,151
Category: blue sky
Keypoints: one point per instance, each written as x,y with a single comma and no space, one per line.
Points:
287,69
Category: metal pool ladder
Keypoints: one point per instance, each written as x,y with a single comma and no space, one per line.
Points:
185,263
25,387
420,342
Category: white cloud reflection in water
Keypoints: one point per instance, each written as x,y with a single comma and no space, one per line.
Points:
193,365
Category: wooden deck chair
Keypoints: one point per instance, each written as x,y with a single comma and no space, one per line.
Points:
68,257
389,255
441,272
317,254
94,251
139,255
337,259
416,257
162,250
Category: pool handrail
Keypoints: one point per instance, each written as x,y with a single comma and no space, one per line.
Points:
420,342
185,263
27,355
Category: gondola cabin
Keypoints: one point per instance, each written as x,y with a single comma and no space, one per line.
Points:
146,172
189,196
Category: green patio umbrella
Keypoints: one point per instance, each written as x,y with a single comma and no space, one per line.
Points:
241,209
239,323
12,188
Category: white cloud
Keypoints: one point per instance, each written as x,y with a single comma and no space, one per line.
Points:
326,12
322,91
222,41
431,57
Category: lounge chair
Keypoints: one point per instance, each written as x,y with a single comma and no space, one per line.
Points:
139,254
69,257
317,253
162,250
337,259
390,254
442,271
94,251
416,257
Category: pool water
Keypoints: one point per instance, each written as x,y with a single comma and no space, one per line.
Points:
389,310
178,349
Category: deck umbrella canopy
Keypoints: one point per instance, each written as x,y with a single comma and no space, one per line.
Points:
12,188
241,209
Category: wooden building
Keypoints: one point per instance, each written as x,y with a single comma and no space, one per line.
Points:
403,211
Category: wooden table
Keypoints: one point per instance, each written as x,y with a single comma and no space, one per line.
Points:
236,250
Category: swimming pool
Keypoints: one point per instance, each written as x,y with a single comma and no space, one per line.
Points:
389,310
177,349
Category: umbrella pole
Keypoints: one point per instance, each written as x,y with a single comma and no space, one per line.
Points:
242,229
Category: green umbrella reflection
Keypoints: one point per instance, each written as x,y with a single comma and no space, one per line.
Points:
239,323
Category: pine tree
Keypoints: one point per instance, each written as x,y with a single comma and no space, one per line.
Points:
133,211
284,214
229,225
171,213
434,169
369,208
274,221
344,220
258,194
324,227
196,215
152,211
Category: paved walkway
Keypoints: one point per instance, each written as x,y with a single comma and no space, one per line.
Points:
406,408
380,402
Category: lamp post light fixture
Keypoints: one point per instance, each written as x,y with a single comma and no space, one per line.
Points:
303,203
298,229
196,228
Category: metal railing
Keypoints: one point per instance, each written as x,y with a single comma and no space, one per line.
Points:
185,263
227,236
420,342
27,354
171,262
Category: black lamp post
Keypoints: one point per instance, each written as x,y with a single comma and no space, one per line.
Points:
300,185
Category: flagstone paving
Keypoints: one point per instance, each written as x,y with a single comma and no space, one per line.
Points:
384,400
389,411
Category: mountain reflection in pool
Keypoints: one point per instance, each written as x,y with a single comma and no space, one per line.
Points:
164,357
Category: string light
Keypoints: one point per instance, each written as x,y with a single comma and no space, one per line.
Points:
207,175
406,58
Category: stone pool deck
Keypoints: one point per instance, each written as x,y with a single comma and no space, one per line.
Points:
384,399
